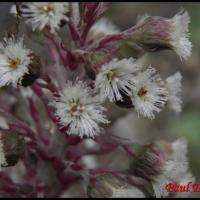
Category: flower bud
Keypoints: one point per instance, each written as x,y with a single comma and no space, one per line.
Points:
34,71
162,163
11,146
148,162
109,186
158,33
153,34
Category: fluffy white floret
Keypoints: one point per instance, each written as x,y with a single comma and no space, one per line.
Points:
180,34
45,14
77,109
116,77
14,61
148,93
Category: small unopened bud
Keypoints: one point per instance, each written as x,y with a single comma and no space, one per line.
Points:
109,186
158,33
11,146
34,71
148,162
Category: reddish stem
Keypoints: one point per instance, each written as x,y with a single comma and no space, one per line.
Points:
57,46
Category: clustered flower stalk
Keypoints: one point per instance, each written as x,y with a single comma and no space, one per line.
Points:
55,106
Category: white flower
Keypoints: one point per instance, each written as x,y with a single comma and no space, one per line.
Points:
14,61
173,84
2,154
42,14
179,34
116,77
148,93
175,169
102,28
78,110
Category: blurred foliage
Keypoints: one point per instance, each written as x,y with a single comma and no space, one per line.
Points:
195,26
188,125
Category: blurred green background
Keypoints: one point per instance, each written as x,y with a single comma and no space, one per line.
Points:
167,125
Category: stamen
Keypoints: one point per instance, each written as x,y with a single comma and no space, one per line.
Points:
47,8
142,92
13,62
112,75
76,108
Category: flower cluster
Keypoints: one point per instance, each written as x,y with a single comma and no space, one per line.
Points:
144,87
67,101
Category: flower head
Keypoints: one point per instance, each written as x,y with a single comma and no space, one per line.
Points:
14,61
45,14
156,33
161,163
173,84
79,110
116,77
148,161
148,93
